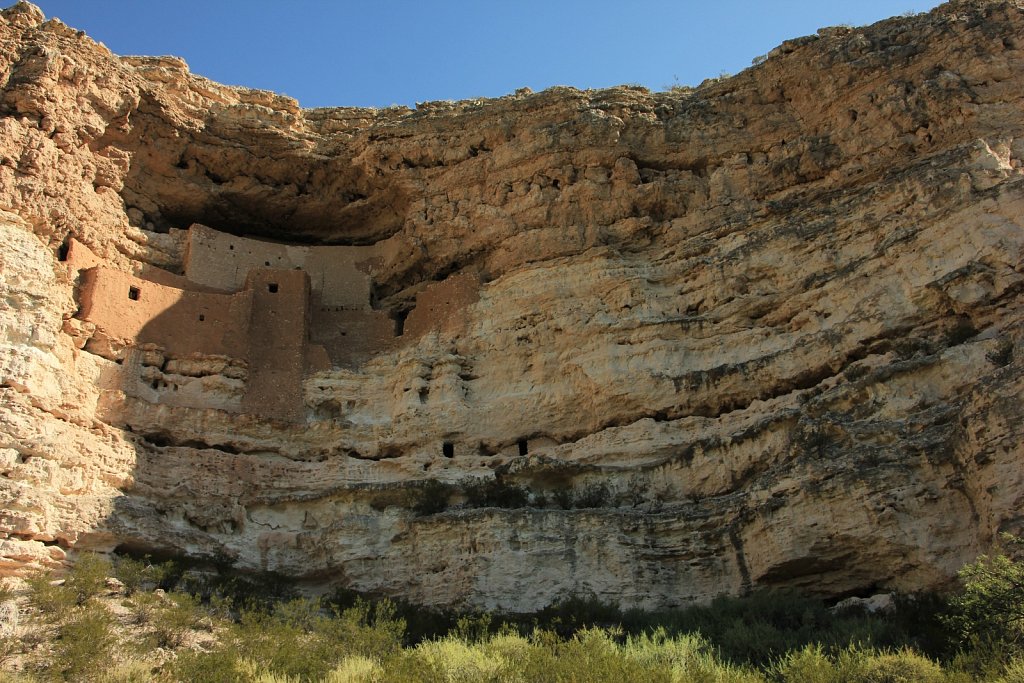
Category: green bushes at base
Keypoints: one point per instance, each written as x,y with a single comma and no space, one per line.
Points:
761,638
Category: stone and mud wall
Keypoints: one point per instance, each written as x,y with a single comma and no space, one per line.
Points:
340,275
136,311
644,346
272,322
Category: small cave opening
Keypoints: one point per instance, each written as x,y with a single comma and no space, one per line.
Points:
448,449
272,287
523,447
134,293
63,249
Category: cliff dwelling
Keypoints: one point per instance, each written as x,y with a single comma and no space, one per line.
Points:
645,346
267,313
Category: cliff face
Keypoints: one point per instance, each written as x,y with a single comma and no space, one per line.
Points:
649,346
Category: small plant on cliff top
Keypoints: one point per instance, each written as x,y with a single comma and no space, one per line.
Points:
593,496
432,498
496,493
962,330
1003,353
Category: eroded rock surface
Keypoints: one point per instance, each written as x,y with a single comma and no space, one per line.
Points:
646,346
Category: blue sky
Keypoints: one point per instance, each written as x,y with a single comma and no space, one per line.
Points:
366,53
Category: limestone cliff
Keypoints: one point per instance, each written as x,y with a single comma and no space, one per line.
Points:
646,346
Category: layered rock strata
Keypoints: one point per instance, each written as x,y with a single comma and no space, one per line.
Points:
645,346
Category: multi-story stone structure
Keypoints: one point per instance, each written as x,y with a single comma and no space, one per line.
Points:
273,312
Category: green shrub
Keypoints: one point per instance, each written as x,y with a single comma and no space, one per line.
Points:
1002,355
688,657
432,498
218,666
61,602
367,629
301,639
52,599
136,573
355,669
261,591
277,646
593,496
83,645
759,628
903,666
564,498
175,618
989,611
1014,672
809,664
812,664
142,607
456,660
496,493
779,636
88,576
132,671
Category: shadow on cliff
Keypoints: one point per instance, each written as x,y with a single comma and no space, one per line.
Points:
252,180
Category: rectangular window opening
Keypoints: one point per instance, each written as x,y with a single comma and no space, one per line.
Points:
400,317
272,288
523,449
134,293
448,449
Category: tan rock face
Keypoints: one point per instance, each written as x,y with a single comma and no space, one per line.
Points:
654,346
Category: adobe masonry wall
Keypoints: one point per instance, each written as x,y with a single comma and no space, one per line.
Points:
339,275
140,311
265,324
80,257
278,332
351,338
441,305
168,279
231,304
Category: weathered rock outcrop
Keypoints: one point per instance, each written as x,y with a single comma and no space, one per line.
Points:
766,332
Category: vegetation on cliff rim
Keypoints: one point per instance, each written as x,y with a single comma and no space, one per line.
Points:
230,630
